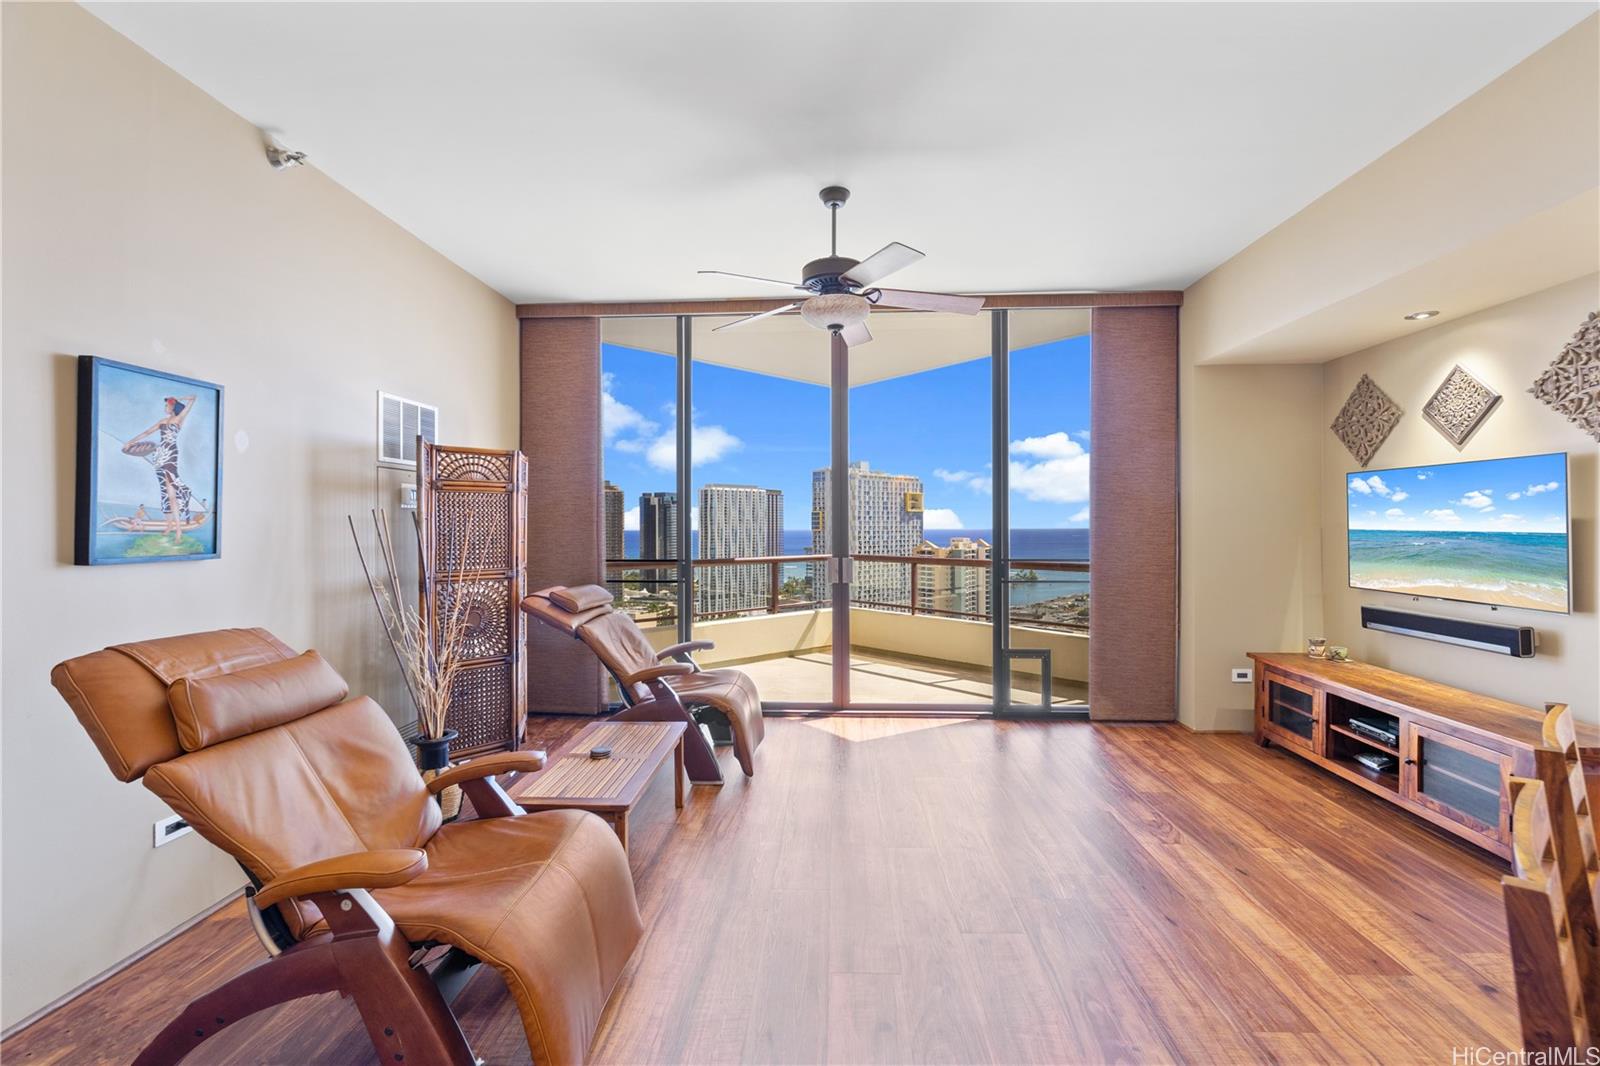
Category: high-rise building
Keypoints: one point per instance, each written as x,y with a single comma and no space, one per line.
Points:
774,521
658,532
885,519
614,506
956,590
735,522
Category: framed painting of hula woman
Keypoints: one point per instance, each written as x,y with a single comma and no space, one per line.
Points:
149,465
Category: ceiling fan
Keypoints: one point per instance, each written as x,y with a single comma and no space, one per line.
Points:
843,290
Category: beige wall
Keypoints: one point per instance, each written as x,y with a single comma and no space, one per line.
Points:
142,223
1250,555
1505,347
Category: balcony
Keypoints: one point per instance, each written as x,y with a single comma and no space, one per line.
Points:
933,647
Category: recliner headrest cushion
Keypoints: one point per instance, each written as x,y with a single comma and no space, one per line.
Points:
580,597
120,694
209,710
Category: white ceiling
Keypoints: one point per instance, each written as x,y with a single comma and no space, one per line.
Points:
603,152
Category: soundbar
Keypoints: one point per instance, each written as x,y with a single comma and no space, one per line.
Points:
1485,636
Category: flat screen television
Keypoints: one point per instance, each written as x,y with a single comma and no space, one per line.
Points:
1491,531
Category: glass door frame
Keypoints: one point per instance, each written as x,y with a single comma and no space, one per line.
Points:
840,564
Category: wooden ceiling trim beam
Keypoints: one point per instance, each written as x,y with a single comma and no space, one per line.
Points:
1020,300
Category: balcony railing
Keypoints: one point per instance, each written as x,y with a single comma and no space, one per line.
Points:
917,602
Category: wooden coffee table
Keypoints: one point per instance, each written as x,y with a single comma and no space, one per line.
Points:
608,787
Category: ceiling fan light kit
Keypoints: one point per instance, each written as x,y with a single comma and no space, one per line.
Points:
835,310
841,289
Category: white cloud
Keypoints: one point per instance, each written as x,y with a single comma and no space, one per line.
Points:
1513,495
1425,475
1399,495
941,518
630,519
1055,445
976,482
1359,485
1079,519
1060,476
1548,486
1082,435
1477,500
1509,518
1377,485
617,418
1443,515
708,443
1394,512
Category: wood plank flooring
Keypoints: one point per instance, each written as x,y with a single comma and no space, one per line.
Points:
910,890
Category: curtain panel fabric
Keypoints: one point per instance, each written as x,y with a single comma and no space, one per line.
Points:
560,413
1133,508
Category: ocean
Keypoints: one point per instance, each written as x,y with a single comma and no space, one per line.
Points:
1042,544
1506,569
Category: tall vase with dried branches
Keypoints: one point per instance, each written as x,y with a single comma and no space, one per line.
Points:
429,655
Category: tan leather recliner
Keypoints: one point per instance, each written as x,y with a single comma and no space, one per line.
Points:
642,673
317,798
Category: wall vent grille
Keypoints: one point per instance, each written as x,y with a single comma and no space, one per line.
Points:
399,422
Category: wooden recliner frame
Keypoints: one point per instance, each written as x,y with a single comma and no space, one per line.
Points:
363,955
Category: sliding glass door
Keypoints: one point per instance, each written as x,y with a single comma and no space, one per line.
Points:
918,471
902,526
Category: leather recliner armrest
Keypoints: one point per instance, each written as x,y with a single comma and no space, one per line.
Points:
654,673
359,869
488,766
682,651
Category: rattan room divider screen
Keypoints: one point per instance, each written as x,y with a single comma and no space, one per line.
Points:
472,506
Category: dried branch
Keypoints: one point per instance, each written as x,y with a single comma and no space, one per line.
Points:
429,666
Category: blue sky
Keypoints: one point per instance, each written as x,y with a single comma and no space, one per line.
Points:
1526,494
755,429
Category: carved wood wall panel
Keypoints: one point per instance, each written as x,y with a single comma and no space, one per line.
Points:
1366,420
472,505
1459,405
1571,384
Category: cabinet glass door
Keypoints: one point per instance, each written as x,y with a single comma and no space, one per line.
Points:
1292,710
1459,779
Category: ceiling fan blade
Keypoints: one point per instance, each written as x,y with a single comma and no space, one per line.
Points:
735,324
880,264
856,334
752,277
927,301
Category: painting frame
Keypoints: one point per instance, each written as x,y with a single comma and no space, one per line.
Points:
86,510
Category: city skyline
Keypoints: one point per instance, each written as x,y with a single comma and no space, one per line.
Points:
762,430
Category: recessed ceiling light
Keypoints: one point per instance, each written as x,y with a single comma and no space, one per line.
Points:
1418,316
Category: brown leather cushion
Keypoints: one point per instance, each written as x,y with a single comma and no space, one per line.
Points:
580,597
120,694
336,781
209,710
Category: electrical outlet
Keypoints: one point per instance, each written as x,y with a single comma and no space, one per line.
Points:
169,829
1240,675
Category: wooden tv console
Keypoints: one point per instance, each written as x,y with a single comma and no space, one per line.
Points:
1455,749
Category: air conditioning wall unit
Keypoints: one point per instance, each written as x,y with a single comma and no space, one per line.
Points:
399,422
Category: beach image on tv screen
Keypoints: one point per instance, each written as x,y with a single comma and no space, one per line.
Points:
1492,531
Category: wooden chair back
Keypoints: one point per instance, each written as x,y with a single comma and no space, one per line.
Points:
1560,768
1550,996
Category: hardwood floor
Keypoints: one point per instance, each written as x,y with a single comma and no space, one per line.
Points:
910,890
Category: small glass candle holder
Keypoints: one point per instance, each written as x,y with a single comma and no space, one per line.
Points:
1317,647
1339,653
